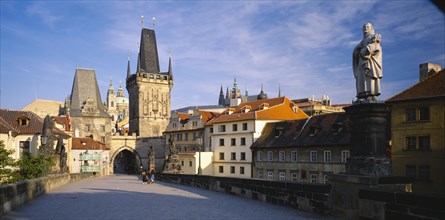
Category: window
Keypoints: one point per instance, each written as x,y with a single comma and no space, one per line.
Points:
418,142
410,114
282,176
102,128
221,156
293,156
221,142
278,132
260,174
325,178
244,126
270,175
344,155
424,114
417,114
269,156
327,156
313,156
222,128
313,178
232,169
186,136
294,177
424,172
241,170
233,156
313,130
87,127
411,171
243,156
211,130
221,169
424,142
232,142
235,127
410,143
174,125
259,156
243,141
102,139
24,145
182,163
281,156
190,163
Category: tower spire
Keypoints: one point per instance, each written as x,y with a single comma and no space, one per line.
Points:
128,68
279,90
142,21
170,72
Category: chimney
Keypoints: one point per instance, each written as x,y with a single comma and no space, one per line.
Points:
428,69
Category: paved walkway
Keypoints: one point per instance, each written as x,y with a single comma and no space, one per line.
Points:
125,197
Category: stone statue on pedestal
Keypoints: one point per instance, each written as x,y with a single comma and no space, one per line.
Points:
172,164
367,64
151,158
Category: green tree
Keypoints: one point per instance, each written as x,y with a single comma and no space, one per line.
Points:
34,166
7,164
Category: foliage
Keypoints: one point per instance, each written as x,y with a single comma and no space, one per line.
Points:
7,165
34,166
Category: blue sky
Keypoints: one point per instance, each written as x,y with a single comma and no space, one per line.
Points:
305,46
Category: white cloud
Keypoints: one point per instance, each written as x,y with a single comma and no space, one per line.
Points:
44,13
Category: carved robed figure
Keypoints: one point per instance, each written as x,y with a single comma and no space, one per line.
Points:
367,64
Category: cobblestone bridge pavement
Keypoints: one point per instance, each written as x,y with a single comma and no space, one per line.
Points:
125,197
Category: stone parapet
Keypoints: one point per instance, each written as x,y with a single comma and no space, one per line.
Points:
14,195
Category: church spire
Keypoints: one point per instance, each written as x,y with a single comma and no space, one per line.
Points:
221,97
279,90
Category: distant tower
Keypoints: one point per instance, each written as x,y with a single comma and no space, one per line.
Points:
149,90
111,103
262,95
221,97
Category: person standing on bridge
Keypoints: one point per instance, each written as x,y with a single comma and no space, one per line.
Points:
152,175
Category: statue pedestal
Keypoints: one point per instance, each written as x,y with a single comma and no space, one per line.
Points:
369,137
368,166
172,164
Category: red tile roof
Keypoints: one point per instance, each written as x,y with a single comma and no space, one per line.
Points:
278,109
11,117
431,87
88,144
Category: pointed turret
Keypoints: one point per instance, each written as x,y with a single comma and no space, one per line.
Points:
279,90
111,88
227,93
170,72
128,68
120,91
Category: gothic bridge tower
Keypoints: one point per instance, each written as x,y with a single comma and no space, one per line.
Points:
149,90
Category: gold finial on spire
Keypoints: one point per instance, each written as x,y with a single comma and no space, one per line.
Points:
154,22
142,21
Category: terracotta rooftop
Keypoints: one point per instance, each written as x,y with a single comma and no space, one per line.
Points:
88,144
268,109
431,87
322,130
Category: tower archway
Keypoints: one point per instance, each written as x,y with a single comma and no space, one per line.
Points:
125,160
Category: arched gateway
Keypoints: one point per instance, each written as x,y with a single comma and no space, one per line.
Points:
125,160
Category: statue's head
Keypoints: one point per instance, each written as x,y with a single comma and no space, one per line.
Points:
368,29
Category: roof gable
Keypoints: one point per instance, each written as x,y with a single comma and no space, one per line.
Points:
431,87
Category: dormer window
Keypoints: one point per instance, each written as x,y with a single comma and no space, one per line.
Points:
264,106
313,130
23,121
278,132
246,109
337,128
230,111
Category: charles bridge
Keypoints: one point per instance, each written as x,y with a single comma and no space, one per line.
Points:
174,196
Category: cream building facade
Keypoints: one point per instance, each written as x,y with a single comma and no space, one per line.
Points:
236,129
